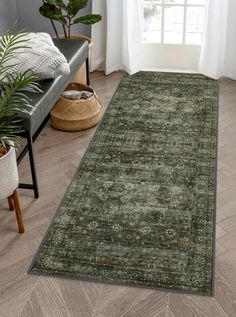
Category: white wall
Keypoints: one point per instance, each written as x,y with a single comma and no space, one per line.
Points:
230,65
29,18
8,14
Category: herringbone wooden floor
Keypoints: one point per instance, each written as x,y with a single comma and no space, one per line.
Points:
58,155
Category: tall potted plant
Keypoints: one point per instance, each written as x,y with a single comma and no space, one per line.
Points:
13,104
67,14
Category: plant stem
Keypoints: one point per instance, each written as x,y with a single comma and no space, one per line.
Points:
69,26
54,27
64,29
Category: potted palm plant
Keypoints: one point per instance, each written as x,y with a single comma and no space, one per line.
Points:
13,104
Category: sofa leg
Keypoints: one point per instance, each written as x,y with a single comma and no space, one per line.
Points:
32,165
87,72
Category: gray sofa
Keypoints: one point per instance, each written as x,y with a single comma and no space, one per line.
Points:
76,53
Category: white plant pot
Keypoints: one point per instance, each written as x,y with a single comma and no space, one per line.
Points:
9,179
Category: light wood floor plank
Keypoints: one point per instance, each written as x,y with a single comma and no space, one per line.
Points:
115,301
156,304
76,299
50,298
15,295
32,307
195,306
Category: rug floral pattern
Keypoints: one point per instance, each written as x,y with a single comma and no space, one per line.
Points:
141,208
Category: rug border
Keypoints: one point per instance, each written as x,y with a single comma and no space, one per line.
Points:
212,292
216,188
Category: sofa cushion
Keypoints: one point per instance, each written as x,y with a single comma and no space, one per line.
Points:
76,52
40,57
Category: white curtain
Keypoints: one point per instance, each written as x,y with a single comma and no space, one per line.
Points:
218,53
117,39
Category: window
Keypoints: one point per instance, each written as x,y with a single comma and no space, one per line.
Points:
174,21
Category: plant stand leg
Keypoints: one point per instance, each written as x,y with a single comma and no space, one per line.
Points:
11,204
15,198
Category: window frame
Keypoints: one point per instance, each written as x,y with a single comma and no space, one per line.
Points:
163,5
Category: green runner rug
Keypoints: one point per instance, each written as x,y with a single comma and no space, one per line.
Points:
141,208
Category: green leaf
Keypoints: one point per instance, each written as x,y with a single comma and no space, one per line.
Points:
49,10
74,6
88,19
58,3
60,18
14,103
9,44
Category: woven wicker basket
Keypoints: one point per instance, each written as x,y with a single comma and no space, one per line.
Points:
76,115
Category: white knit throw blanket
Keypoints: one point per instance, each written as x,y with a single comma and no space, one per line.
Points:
42,58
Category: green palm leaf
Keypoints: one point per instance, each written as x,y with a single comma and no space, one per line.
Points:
14,103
